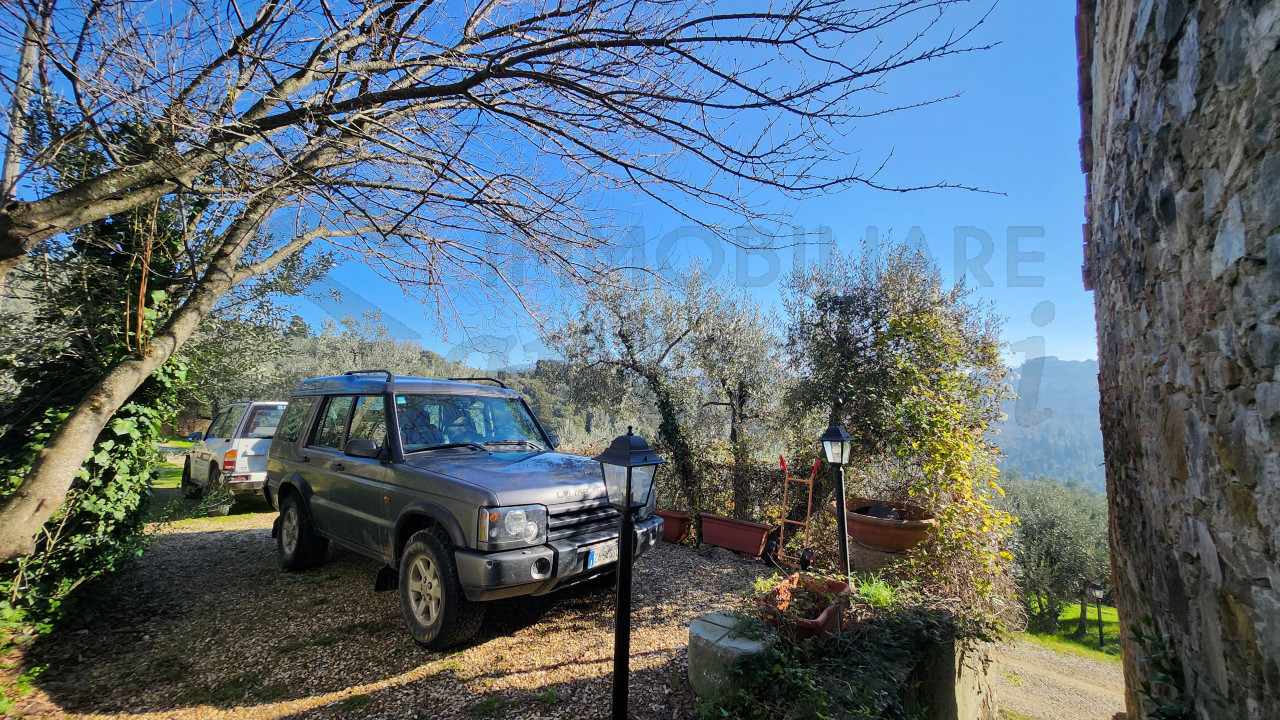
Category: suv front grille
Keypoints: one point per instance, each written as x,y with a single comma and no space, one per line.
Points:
579,518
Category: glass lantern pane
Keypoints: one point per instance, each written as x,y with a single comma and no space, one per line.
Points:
830,449
641,482
615,483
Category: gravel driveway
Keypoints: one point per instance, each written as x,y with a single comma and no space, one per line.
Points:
1041,684
208,626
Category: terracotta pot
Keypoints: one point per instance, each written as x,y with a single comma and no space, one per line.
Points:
884,534
675,525
741,536
779,600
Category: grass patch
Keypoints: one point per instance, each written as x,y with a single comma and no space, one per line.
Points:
324,641
1087,645
878,593
548,697
355,702
177,442
167,477
291,647
1007,714
491,706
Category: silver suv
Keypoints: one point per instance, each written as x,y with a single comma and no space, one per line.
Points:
233,451
454,486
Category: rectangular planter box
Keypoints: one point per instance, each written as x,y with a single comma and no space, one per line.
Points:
675,525
741,536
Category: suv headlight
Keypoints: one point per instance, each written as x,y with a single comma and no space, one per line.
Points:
513,526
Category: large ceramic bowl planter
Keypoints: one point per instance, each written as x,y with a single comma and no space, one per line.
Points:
741,536
675,525
805,606
885,534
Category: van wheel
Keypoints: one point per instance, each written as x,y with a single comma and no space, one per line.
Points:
190,490
298,545
435,609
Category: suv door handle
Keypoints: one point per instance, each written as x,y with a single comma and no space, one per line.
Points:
304,458
337,466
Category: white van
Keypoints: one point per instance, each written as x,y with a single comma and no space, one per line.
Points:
233,452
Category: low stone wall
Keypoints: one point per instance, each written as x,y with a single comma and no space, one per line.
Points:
951,683
954,683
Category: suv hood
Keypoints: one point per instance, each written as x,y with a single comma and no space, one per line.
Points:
541,478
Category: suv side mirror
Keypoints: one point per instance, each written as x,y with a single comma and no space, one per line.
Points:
555,440
195,437
362,448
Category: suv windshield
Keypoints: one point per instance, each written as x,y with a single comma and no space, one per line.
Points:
428,421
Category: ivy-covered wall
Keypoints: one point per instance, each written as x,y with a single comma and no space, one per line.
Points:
1181,103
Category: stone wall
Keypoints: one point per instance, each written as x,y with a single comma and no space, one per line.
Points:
1181,102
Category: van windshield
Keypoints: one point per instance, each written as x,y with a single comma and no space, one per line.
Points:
500,423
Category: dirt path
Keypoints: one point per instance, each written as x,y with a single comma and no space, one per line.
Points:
208,626
1041,684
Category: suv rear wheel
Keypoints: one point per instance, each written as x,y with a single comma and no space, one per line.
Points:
299,547
435,609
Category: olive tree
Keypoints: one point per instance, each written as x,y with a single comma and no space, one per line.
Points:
912,369
440,143
1060,546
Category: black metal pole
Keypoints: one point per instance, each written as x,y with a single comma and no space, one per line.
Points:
1099,602
842,523
622,614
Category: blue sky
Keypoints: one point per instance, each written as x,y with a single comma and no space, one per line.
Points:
1014,130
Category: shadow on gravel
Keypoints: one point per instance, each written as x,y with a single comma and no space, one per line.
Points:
206,618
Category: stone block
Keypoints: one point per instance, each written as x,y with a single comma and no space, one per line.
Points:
713,649
866,560
954,683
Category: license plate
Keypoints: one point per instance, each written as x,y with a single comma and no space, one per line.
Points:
603,553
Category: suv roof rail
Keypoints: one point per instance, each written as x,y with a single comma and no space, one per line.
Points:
370,372
495,381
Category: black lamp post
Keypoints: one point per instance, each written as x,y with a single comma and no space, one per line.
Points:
1098,593
627,466
837,446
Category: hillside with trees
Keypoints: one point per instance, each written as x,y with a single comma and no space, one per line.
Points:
1052,428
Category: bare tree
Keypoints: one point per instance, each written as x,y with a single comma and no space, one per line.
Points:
437,142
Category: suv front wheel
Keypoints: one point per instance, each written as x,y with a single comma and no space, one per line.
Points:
299,546
435,609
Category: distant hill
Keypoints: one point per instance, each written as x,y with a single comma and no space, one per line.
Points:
1053,428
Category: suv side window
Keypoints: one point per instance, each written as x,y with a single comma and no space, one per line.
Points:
290,428
222,425
333,421
369,420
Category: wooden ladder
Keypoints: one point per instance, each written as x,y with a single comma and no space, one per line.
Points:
787,481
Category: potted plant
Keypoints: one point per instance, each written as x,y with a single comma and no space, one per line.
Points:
742,536
805,605
885,526
675,525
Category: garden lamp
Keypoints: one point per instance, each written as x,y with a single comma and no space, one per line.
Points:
627,466
1099,592
838,447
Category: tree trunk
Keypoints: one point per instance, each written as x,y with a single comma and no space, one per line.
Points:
18,114
54,468
1082,626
